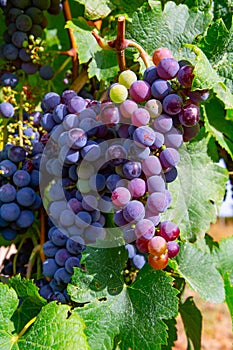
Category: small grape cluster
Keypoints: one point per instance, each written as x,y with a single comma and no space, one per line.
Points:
19,180
25,20
63,254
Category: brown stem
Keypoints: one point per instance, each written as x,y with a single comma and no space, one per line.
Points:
80,81
144,55
68,17
31,262
100,41
120,43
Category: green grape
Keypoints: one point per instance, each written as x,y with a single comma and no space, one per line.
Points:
127,78
118,93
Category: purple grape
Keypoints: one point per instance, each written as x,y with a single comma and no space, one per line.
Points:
140,91
155,184
25,196
7,168
72,262
172,104
10,52
169,157
67,95
139,261
51,100
189,115
132,169
58,238
7,193
134,211
190,132
16,154
75,245
9,212
173,249
157,202
119,219
25,219
131,250
127,108
168,68
9,79
49,267
76,104
163,123
173,138
6,110
46,72
144,135
76,138
151,166
109,114
8,233
137,187
61,256
145,229
62,276
29,67
150,74
169,231
160,88
198,95
185,76
171,174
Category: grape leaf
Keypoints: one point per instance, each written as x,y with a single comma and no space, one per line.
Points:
52,330
124,314
225,257
86,43
200,271
199,187
8,304
192,320
229,294
205,77
176,24
25,288
95,9
172,334
223,9
216,124
217,45
103,65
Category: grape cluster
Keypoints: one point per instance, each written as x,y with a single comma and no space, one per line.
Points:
19,184
25,21
115,158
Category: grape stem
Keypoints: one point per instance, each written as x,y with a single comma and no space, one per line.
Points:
80,81
73,51
120,44
36,250
42,233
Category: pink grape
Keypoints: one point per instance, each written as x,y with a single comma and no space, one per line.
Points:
121,196
145,228
140,91
140,117
151,166
137,187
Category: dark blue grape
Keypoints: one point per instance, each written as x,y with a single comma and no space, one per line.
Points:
19,38
150,74
71,263
61,256
25,219
7,193
9,79
26,196
62,276
10,212
16,154
50,249
49,267
10,52
58,237
8,233
46,72
75,245
7,168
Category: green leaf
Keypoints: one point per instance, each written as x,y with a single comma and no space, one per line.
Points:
135,314
229,294
199,187
200,271
95,9
223,9
175,25
86,43
31,303
192,320
217,45
216,124
225,257
205,77
172,334
8,304
56,327
103,65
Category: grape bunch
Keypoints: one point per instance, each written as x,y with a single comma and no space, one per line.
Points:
19,185
25,21
115,159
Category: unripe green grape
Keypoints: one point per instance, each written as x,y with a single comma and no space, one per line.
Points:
118,93
127,78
